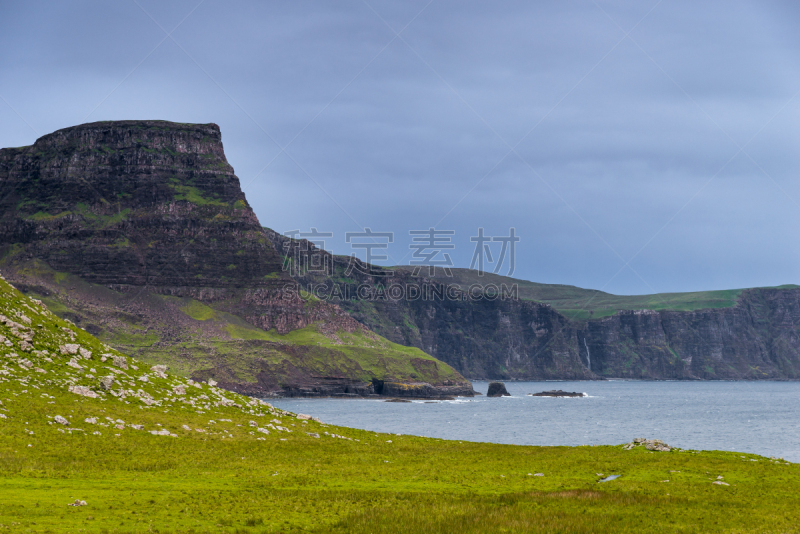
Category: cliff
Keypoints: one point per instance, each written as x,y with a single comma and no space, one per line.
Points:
753,334
136,203
483,338
139,231
757,338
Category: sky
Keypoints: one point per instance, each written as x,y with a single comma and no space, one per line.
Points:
634,147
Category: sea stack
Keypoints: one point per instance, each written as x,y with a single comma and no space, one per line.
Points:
497,389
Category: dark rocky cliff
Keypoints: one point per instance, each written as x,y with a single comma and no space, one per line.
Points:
139,231
483,338
145,203
757,338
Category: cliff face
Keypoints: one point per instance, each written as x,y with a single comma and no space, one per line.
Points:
481,337
758,338
143,203
139,231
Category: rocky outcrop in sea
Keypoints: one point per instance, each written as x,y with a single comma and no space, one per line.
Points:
497,389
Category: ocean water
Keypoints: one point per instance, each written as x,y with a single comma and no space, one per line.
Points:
755,417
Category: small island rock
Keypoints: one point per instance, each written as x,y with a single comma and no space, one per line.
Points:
557,393
497,389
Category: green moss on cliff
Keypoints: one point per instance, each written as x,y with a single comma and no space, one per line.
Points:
194,195
44,216
199,311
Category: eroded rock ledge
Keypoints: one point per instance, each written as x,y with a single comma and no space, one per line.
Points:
342,387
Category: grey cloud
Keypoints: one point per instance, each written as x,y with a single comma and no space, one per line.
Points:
620,143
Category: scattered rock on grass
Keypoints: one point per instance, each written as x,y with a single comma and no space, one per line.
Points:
107,382
69,348
60,420
649,444
83,390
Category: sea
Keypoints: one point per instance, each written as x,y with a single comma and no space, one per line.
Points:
753,417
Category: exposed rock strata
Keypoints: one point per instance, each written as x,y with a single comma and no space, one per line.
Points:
758,338
141,203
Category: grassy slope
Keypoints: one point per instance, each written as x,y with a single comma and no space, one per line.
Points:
374,355
216,339
577,303
232,479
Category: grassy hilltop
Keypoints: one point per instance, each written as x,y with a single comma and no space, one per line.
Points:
581,304
149,451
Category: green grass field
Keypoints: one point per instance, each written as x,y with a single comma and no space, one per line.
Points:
155,452
229,482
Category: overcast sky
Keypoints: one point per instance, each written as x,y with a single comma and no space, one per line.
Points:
636,147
